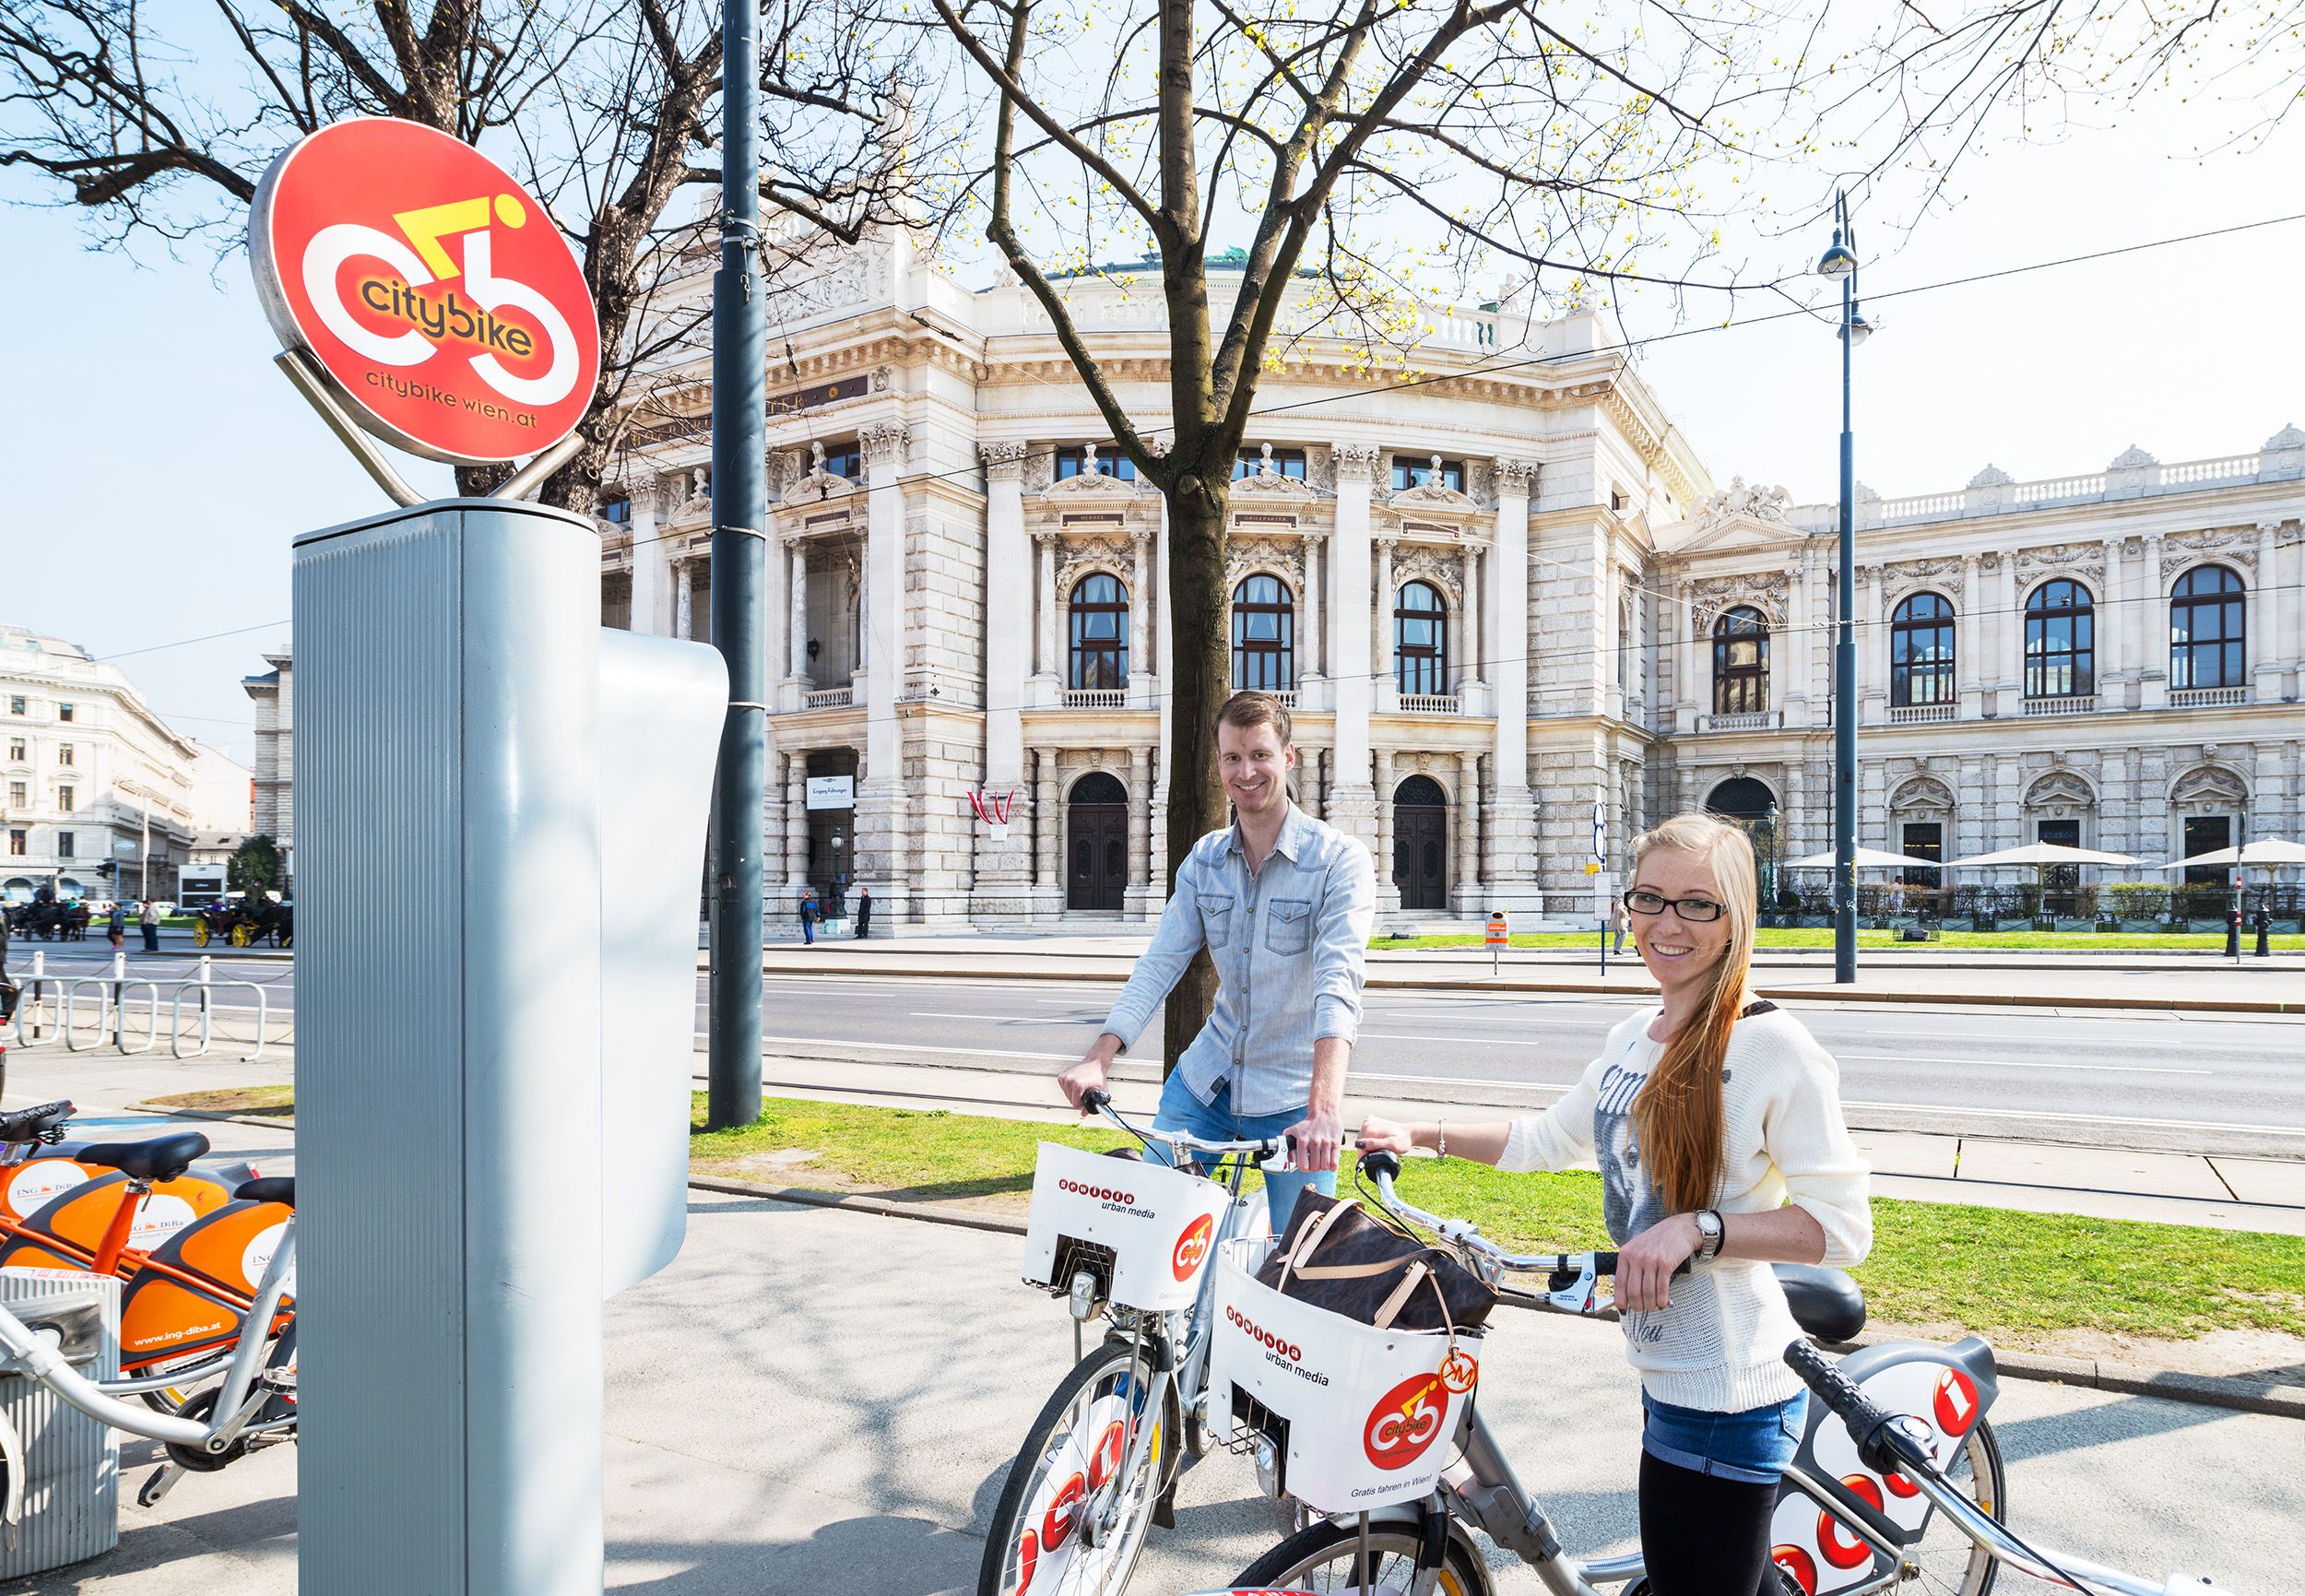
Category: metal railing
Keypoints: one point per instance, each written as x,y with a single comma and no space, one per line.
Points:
1913,713
1094,698
830,698
1428,703
2071,704
52,1008
2205,697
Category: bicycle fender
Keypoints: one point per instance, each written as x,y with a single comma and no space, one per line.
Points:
1948,1388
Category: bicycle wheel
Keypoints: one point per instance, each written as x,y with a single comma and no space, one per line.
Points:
1040,1537
1944,1562
1327,1557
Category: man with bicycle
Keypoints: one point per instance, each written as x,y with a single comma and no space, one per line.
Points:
1283,904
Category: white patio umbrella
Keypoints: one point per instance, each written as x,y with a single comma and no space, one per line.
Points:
2042,854
1867,859
2268,852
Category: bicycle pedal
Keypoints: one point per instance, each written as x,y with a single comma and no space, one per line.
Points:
163,1480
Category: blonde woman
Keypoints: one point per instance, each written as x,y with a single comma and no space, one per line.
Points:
1716,1123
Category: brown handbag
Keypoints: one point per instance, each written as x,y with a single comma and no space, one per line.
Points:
1334,1256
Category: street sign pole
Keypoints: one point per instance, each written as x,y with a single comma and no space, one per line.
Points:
740,572
1601,876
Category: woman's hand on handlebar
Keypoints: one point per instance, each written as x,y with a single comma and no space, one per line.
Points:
1384,1135
1644,1265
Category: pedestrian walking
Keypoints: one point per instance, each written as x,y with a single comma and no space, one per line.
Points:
864,913
1716,1122
1283,904
116,927
149,917
1896,896
1621,923
808,915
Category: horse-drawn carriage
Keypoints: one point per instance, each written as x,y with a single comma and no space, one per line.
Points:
50,919
244,922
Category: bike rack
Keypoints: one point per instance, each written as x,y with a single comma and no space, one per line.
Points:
120,1015
113,1013
104,985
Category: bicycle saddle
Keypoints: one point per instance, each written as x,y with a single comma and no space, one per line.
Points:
35,1124
268,1189
1826,1303
162,1158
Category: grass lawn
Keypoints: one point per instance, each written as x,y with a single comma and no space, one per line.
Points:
1989,1269
268,1101
1950,942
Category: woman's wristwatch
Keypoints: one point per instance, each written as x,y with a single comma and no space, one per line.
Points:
1710,1231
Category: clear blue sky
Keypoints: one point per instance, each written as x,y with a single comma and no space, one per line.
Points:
163,465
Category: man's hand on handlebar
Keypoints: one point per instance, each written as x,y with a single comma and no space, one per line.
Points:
1315,1141
1644,1265
1089,1073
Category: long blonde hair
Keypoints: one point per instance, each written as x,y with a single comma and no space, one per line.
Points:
1678,1114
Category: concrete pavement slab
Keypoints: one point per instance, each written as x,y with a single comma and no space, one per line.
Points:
2262,1179
1909,1153
2095,1169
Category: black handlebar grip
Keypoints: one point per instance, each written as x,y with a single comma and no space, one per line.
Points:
1858,1411
1095,1100
31,1124
1604,1263
1385,1164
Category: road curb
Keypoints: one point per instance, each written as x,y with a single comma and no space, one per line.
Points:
1776,994
2208,1390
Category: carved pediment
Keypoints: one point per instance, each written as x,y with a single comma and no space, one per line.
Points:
1922,793
2059,786
814,484
1269,486
1089,482
2210,787
1740,502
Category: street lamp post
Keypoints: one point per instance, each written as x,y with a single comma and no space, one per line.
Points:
1839,264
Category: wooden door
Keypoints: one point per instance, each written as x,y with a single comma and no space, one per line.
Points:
1420,856
1096,874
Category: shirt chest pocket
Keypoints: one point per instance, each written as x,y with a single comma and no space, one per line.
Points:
1289,924
1217,920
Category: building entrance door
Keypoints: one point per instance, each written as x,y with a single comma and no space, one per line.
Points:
1097,852
1420,844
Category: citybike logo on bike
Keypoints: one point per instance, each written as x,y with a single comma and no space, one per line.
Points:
434,291
1404,1422
1192,1246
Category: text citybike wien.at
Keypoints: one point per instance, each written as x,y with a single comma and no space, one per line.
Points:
1111,1198
434,294
1279,1352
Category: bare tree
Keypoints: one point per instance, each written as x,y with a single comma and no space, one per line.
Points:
1370,155
160,129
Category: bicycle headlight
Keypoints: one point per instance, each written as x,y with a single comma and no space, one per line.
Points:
1268,1457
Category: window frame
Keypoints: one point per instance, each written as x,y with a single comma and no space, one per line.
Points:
1406,469
1937,672
1115,464
65,799
1288,463
1740,687
2076,660
63,711
846,460
1080,674
19,842
64,756
1275,657
65,844
1416,664
2229,647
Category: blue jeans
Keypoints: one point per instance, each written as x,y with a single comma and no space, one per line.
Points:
1180,1110
1753,1446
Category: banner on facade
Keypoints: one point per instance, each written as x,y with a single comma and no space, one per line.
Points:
832,792
434,294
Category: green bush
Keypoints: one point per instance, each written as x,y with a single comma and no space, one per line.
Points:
2135,900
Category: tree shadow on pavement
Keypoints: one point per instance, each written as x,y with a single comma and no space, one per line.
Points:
2125,1418
862,1557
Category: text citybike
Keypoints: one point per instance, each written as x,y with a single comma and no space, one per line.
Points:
453,318
1112,1199
1279,1352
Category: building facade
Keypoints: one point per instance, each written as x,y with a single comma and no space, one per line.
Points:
273,778
99,791
1494,599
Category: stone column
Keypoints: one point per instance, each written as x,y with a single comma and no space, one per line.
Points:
2008,666
2148,629
1388,679
1512,820
796,580
1800,653
1867,631
1355,797
796,823
1388,890
1007,624
1968,674
1470,671
2269,648
1045,586
1049,823
2288,617
1139,822
1467,896
1141,687
1310,655
2119,652
652,562
683,618
882,820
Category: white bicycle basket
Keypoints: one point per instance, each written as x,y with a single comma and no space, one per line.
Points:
1158,1224
1360,1417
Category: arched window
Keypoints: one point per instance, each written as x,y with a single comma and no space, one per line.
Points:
1420,629
1741,662
1920,651
1100,632
1264,632
2207,627
2060,642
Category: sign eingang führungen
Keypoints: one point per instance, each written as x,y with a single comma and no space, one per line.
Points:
434,293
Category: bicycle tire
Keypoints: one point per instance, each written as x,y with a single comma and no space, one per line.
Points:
1331,1552
1012,1565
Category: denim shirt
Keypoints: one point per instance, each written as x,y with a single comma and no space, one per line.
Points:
1289,944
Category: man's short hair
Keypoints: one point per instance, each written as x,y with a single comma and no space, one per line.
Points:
1248,710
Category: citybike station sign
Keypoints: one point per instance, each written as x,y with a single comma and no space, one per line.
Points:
433,291
496,981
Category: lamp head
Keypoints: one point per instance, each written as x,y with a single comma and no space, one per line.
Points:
1857,330
1837,261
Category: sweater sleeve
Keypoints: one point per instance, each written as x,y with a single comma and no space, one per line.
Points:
1561,1136
1806,1136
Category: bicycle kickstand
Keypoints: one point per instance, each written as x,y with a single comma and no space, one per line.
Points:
163,1480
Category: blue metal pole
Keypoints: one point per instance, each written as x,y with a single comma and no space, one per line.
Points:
1845,656
739,577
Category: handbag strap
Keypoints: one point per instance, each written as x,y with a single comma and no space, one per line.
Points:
1418,1270
1306,1239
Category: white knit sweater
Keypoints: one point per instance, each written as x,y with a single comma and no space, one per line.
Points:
1719,1347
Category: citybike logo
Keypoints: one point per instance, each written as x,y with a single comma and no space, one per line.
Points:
1261,1336
1798,1566
1955,1403
434,292
1841,1549
1405,1420
1101,1193
1192,1248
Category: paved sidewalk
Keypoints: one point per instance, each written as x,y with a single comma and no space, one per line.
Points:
783,1420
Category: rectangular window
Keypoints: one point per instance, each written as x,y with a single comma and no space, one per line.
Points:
846,460
19,841
1285,463
64,799
1924,840
63,754
1110,461
1409,472
18,797
63,844
2206,835
15,706
2060,879
617,512
16,749
64,712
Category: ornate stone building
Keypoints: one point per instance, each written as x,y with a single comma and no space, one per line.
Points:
1503,606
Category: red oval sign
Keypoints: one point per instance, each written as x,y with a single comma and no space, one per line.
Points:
1956,1403
433,290
1405,1422
1191,1247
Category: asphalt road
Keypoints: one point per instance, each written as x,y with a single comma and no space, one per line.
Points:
2203,1082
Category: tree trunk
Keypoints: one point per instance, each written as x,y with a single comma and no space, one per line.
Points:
1198,684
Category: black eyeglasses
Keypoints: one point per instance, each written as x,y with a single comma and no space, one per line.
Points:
1643,902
